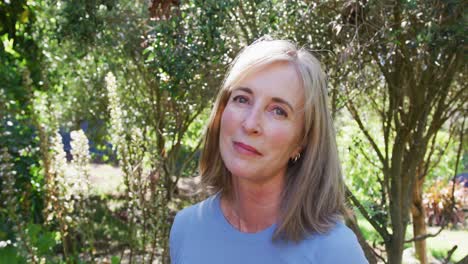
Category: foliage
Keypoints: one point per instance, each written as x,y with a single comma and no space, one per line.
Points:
402,66
150,118
395,68
439,253
23,234
444,167
441,207
21,179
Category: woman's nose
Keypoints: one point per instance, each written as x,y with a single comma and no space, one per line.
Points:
252,123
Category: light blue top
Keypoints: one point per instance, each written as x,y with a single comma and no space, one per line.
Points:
202,235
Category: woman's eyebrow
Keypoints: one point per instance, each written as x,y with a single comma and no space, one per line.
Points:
245,89
274,99
282,101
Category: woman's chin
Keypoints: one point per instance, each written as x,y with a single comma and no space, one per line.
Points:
243,174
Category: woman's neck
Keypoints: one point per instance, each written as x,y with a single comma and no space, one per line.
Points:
253,207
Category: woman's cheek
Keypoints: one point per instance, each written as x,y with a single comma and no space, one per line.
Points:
284,135
226,118
232,115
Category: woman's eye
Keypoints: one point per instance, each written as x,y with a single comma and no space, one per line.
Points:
240,99
280,112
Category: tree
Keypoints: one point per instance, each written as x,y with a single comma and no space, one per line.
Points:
409,61
400,63
177,64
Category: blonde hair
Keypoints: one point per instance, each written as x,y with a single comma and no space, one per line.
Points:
313,199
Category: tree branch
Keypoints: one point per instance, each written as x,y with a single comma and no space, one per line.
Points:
425,236
381,230
422,237
429,166
358,120
449,254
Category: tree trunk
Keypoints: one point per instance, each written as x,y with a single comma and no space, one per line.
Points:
395,250
419,224
398,212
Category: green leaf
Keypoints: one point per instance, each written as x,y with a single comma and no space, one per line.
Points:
8,46
115,260
45,243
10,255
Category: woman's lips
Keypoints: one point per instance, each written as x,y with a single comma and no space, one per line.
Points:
246,149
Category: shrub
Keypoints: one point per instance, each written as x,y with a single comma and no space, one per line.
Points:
441,207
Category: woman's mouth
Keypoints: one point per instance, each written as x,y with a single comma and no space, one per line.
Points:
246,149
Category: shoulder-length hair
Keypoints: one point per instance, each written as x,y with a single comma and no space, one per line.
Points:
313,198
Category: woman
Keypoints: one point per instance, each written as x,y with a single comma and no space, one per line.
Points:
270,158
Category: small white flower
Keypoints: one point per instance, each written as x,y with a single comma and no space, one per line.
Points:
164,76
117,114
3,244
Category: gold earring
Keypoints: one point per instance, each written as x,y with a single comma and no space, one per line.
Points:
296,158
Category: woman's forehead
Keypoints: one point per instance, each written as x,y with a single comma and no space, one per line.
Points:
278,79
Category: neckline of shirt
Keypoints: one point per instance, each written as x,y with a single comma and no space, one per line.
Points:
262,234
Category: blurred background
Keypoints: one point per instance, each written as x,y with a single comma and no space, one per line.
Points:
103,105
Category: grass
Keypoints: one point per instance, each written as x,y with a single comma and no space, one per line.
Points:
446,240
106,179
437,246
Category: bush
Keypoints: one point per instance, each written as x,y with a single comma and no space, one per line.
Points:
441,208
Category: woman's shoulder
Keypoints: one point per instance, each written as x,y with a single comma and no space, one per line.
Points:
338,234
197,212
339,238
199,215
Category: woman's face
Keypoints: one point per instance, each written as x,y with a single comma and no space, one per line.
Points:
262,123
